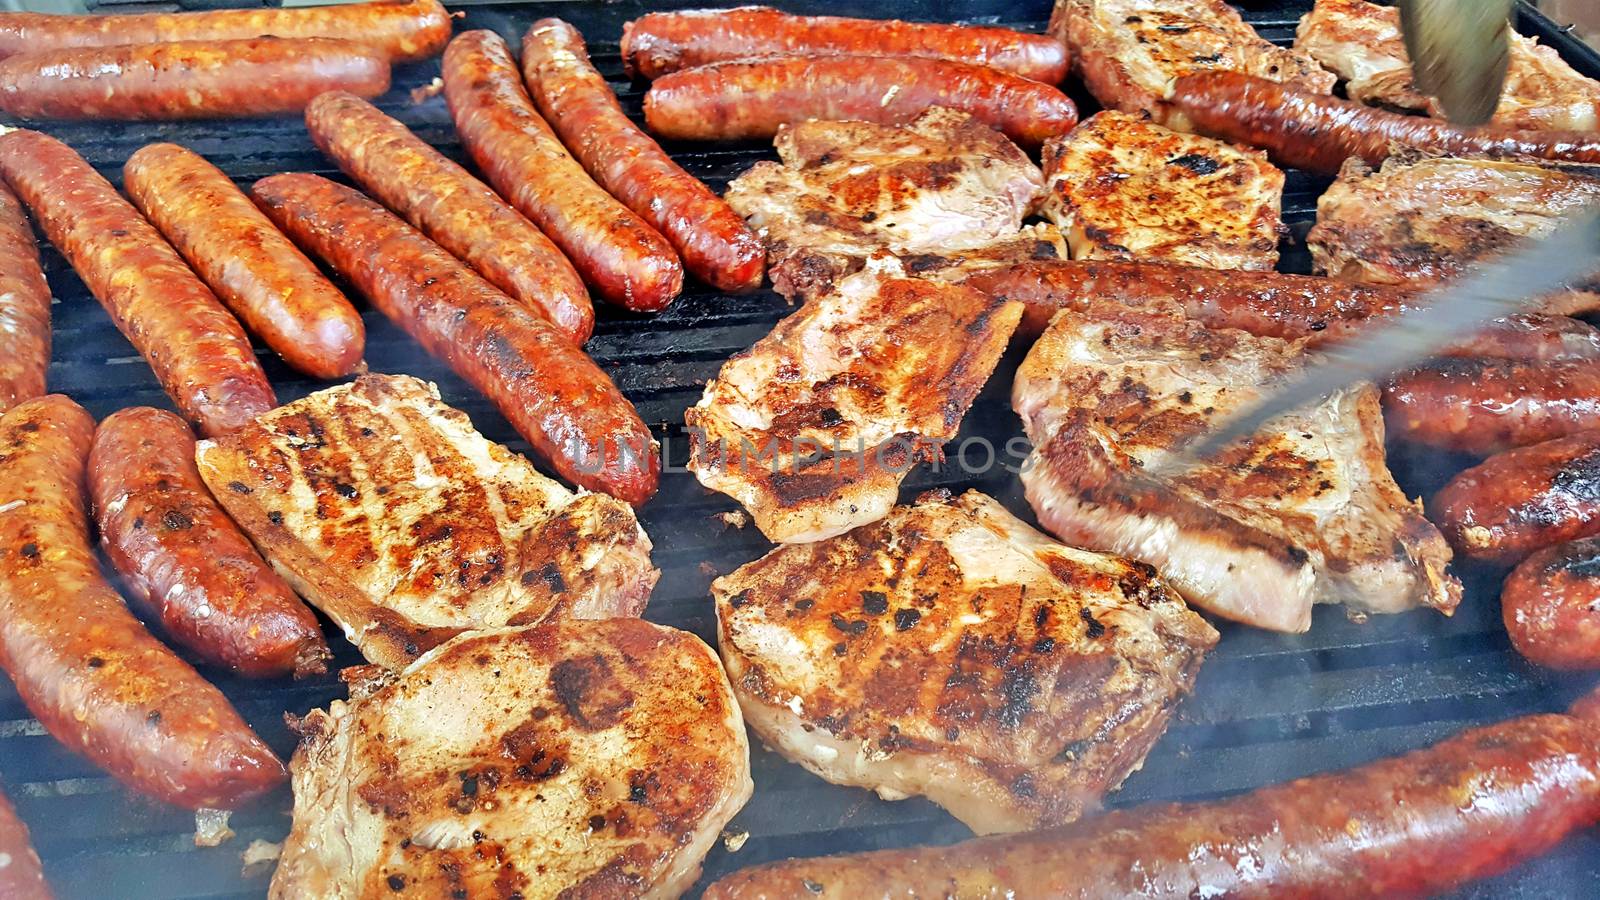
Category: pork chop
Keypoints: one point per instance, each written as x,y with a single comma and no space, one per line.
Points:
953,652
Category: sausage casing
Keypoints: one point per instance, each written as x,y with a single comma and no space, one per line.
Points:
1551,606
195,346
1524,499
714,242
24,307
552,393
1488,405
1534,337
85,667
458,211
22,875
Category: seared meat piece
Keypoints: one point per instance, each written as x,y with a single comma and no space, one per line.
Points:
814,427
1127,51
1306,512
1361,42
1122,187
953,652
570,759
387,511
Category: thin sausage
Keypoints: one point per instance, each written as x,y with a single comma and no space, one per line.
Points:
658,43
24,307
198,350
714,242
252,267
182,557
750,100
552,393
1488,405
22,875
1551,606
1534,337
458,211
85,667
627,261
1524,499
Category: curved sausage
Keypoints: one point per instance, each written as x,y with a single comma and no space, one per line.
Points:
628,262
184,559
1488,405
252,267
1413,825
749,100
1319,132
552,393
1551,606
458,211
187,80
1524,499
24,307
85,667
402,29
22,875
714,242
658,43
197,349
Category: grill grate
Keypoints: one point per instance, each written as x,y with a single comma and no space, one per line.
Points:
1268,707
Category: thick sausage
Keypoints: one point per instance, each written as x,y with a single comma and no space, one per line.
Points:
1319,132
21,875
85,667
552,393
1551,606
1535,337
402,29
252,267
749,100
1469,807
627,261
198,350
658,43
1488,405
182,557
24,307
1588,707
188,80
1523,500
458,211
715,244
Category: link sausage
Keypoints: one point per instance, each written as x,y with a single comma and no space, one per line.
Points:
1488,405
1588,707
750,100
1551,606
715,244
1535,337
252,267
24,307
85,667
197,349
22,876
658,43
184,559
1524,499
552,393
628,262
458,211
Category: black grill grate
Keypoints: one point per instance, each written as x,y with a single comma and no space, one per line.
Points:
1268,707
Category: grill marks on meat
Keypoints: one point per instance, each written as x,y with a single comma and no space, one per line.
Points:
1305,512
951,651
593,759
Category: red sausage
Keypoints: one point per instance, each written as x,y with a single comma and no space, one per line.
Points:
22,875
715,244
196,348
184,559
627,261
458,211
552,393
24,307
658,43
1532,337
251,266
1488,405
1551,606
1524,499
85,667
751,99
1588,707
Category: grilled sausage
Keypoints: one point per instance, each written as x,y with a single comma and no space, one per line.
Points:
1488,405
85,667
1588,707
197,349
458,211
1319,132
1551,606
402,29
750,99
1534,337
24,307
187,80
21,875
619,254
184,559
252,267
1466,808
658,43
1524,499
552,393
715,244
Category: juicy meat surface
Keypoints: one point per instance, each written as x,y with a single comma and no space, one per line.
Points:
1122,187
952,651
385,509
1305,512
569,759
813,428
